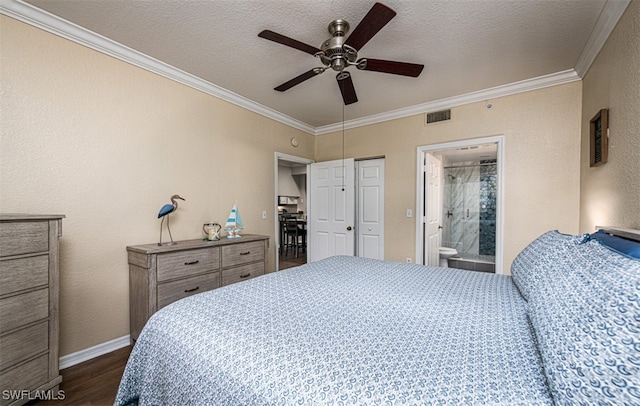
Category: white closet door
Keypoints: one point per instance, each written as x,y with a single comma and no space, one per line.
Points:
330,220
370,196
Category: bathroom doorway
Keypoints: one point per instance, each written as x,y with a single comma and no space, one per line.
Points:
470,206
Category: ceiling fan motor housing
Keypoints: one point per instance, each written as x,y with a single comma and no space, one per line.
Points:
335,53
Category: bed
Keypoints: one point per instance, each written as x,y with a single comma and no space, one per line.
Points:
564,329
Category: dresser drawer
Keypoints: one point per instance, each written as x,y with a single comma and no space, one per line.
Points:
169,292
242,273
23,238
23,344
29,375
23,273
237,254
20,310
185,263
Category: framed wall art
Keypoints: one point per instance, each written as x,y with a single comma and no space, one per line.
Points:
599,138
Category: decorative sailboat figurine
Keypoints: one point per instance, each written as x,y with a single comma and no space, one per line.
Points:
233,226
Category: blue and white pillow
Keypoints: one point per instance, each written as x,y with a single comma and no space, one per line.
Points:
539,261
587,324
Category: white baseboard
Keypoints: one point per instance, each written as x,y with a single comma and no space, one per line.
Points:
93,352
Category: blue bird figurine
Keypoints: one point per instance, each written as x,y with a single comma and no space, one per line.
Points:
164,212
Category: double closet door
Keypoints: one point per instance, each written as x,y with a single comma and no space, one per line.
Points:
346,209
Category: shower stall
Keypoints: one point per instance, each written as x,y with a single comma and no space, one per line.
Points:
469,211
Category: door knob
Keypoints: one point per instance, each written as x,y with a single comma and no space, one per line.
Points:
349,228
439,227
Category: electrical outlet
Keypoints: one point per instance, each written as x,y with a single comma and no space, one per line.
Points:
409,213
264,214
409,260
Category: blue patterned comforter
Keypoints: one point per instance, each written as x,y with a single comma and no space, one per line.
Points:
342,331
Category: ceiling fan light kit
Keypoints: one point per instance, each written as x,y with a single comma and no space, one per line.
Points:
340,52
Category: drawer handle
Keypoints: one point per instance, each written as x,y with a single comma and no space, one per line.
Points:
245,276
192,290
245,253
192,262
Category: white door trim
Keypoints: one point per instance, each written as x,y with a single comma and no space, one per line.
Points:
421,150
280,156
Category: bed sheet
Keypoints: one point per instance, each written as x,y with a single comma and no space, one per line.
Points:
342,331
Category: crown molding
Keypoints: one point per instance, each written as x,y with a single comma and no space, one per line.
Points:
51,23
607,20
17,9
540,82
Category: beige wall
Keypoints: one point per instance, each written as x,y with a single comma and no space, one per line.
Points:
107,144
610,193
541,161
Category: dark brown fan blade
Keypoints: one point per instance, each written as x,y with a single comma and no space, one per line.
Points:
376,18
394,67
297,80
346,88
281,39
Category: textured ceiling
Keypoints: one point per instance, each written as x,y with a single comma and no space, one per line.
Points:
465,45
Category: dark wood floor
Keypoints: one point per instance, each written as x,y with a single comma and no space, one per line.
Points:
289,261
92,383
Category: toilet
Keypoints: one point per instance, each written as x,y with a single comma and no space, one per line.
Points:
445,253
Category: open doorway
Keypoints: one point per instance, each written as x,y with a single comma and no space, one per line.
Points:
464,211
469,206
290,210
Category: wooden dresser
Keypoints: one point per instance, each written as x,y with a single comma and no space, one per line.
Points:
29,306
160,275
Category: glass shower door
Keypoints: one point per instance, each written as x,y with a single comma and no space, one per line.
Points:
469,208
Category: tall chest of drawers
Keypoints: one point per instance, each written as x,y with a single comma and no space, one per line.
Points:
160,275
29,285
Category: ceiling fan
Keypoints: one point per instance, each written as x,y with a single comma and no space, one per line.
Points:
340,52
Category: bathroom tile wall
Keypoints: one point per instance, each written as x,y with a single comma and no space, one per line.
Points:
461,199
487,226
